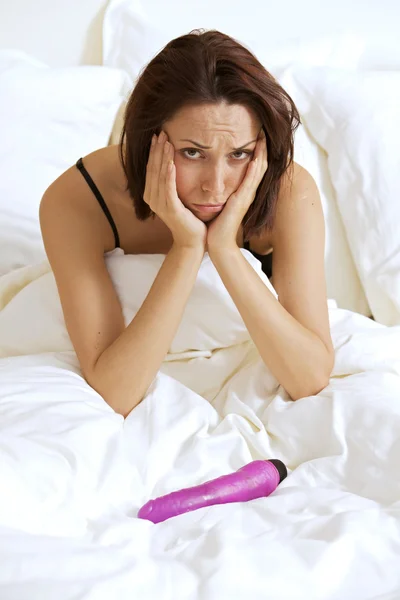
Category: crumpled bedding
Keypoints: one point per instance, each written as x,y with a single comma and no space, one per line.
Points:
74,473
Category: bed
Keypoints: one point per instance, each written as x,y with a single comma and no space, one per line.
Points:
73,473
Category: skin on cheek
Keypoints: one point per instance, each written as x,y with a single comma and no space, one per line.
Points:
186,183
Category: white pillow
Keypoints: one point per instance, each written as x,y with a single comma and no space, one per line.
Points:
134,32
49,117
381,51
210,320
355,117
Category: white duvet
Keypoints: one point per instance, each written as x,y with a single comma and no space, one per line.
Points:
73,473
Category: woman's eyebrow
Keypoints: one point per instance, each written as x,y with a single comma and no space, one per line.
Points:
208,147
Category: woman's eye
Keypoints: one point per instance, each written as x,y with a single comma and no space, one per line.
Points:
243,153
190,150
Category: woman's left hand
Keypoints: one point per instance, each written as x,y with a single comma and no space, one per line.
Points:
222,231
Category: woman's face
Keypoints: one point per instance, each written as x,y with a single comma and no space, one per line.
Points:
209,175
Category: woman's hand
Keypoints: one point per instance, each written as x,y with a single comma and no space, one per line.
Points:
161,195
222,231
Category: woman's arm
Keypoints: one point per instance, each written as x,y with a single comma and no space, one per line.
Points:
119,363
292,333
125,370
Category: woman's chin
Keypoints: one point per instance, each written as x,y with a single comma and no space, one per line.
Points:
206,218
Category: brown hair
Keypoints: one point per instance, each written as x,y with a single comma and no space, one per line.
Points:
205,67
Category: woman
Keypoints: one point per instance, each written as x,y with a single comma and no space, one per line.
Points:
205,163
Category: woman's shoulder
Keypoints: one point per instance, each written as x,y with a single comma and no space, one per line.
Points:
295,183
71,196
298,200
297,175
105,168
295,178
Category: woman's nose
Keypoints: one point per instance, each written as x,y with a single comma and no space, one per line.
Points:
214,181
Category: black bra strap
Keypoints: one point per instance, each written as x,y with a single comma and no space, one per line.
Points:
100,199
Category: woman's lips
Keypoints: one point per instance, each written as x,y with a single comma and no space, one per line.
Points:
208,209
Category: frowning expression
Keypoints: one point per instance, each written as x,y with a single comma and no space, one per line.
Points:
213,145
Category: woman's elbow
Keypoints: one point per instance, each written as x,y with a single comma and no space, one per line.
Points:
313,387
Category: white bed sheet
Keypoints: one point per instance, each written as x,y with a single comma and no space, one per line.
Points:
73,473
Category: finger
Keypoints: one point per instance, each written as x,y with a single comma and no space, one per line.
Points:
261,153
154,166
248,185
170,184
163,188
159,154
149,171
250,176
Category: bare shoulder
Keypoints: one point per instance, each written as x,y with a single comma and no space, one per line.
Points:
298,202
104,167
70,195
297,183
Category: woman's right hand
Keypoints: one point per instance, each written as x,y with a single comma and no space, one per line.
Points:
161,196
